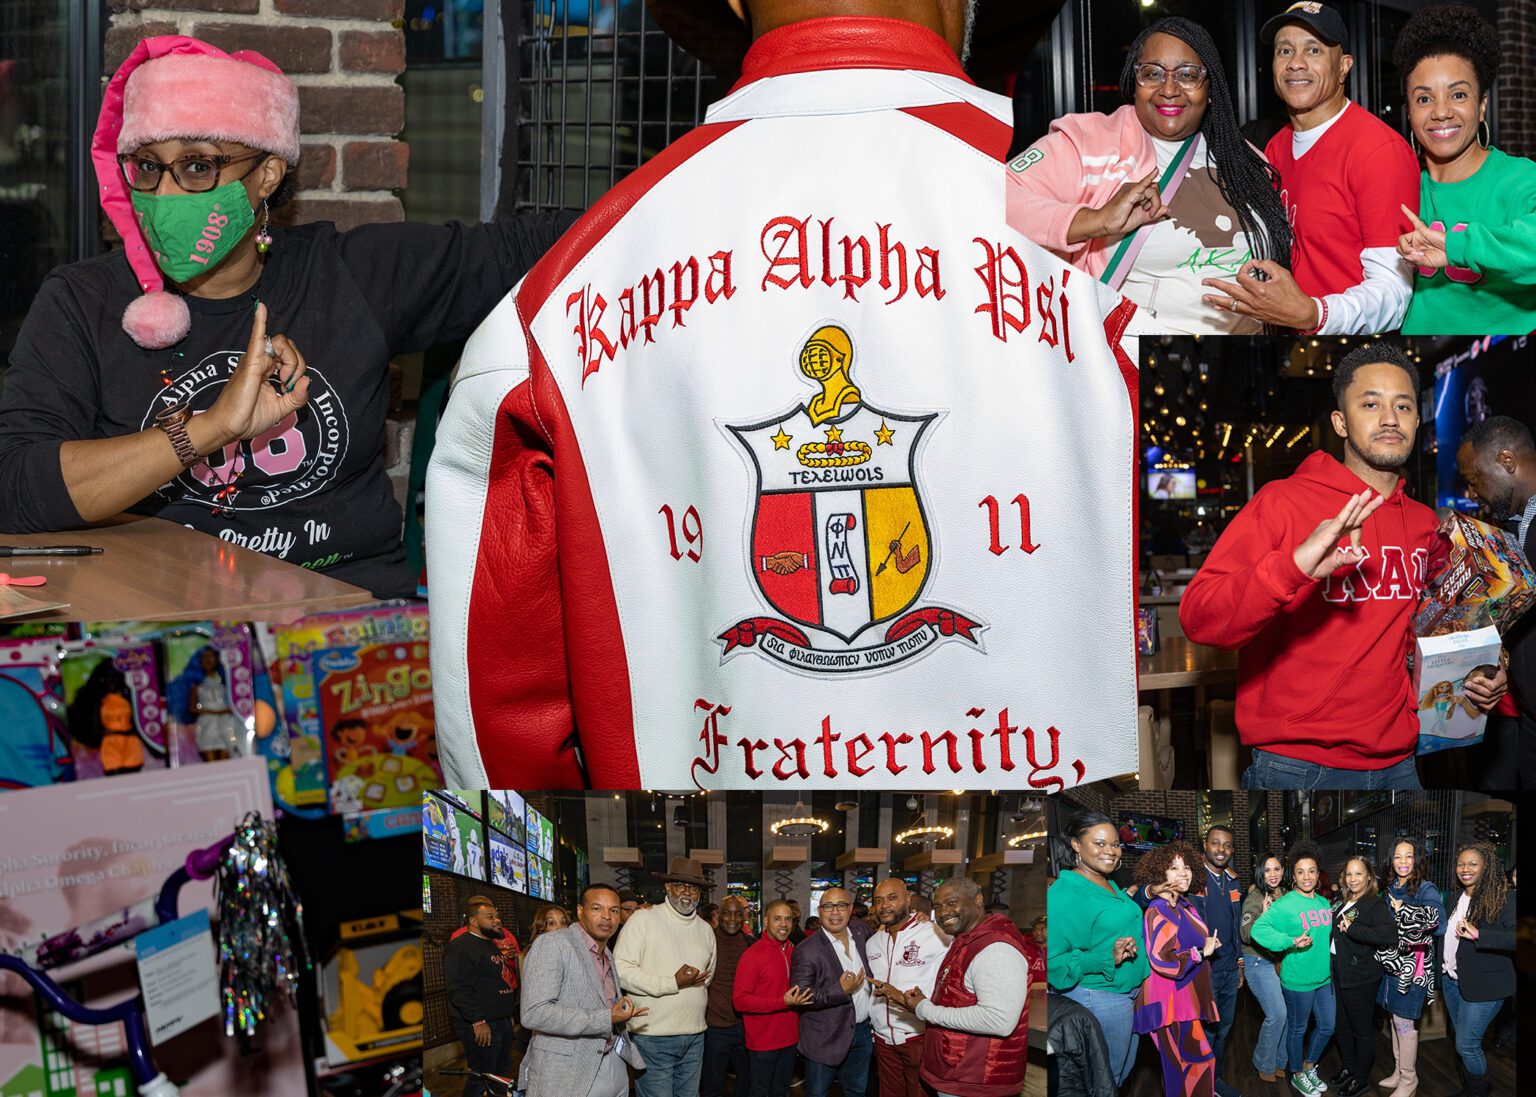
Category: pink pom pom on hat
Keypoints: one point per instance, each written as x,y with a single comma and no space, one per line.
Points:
173,86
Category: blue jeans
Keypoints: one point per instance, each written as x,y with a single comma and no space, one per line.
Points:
1115,1012
1224,990
852,1072
1263,980
725,1049
1275,771
672,1065
1300,1005
1471,1020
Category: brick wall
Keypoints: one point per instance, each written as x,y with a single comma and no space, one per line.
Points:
344,55
1516,130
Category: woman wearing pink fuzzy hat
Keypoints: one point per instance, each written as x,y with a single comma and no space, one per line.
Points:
155,378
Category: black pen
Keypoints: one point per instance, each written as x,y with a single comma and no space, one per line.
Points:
50,550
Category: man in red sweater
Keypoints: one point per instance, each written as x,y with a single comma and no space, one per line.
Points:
766,1001
1316,581
1344,177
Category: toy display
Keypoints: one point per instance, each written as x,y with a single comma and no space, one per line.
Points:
1441,667
116,718
35,748
372,986
1486,582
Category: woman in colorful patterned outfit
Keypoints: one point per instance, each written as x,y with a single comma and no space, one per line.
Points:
1175,1004
1095,956
1408,982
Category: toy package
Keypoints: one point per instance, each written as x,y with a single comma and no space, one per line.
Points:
34,748
1487,582
295,646
375,703
115,708
1441,668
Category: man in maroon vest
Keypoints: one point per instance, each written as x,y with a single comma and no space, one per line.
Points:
977,1042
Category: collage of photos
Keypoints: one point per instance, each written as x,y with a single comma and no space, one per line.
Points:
865,548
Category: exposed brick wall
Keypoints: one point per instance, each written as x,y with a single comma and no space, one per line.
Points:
344,55
1516,132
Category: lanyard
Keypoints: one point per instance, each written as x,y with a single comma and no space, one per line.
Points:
1130,246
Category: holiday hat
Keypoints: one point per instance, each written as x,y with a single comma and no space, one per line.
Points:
173,86
685,870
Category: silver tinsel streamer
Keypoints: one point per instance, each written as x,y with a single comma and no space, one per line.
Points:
261,939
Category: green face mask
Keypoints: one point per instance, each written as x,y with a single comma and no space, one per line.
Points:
193,233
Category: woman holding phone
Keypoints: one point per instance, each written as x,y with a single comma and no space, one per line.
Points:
1362,923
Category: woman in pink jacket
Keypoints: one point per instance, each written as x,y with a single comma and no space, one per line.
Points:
1161,193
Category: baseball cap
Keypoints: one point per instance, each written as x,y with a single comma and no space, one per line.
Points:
1326,22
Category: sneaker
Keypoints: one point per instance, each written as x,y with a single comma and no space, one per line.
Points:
1322,1086
1302,1082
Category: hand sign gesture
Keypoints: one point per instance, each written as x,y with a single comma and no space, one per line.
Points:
1320,555
1301,943
267,386
799,996
624,1009
1422,246
1137,203
1125,949
1212,943
851,981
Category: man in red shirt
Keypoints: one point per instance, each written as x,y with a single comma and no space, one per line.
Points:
1345,176
1321,608
766,1001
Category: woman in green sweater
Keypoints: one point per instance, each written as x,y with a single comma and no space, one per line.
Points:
1094,950
1473,239
1296,927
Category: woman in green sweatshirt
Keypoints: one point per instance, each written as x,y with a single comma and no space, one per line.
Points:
1296,927
1473,238
1094,948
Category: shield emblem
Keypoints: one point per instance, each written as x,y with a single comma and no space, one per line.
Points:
840,541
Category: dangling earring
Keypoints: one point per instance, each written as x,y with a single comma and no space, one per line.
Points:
264,234
1485,129
1414,145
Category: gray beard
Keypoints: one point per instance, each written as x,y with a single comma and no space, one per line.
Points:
970,28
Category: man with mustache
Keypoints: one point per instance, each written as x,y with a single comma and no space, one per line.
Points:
1345,176
572,1004
666,960
977,1040
1321,608
905,952
835,1034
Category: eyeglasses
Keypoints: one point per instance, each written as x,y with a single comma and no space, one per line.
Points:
836,906
687,889
1152,75
193,174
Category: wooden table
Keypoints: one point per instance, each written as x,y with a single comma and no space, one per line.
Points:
154,570
1181,662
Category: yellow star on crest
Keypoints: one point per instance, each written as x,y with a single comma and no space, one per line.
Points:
834,434
780,440
883,435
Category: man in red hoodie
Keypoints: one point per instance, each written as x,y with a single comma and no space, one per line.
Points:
766,1001
1316,581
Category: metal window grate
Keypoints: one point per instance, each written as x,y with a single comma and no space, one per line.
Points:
600,89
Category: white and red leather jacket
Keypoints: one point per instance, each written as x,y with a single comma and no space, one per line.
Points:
792,464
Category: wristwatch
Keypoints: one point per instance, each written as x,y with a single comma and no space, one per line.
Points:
173,420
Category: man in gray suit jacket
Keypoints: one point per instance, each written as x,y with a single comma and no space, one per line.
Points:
835,1035
572,1005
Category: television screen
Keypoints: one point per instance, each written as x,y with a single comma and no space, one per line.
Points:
507,814
1171,483
509,866
548,871
541,835
1144,832
535,878
467,799
452,839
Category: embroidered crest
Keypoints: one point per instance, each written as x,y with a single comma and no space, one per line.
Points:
840,544
911,955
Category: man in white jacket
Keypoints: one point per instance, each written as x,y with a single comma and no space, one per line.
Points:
665,959
906,953
793,431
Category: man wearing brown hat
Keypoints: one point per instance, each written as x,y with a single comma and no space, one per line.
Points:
665,961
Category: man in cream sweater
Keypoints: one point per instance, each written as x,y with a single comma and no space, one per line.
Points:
665,959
